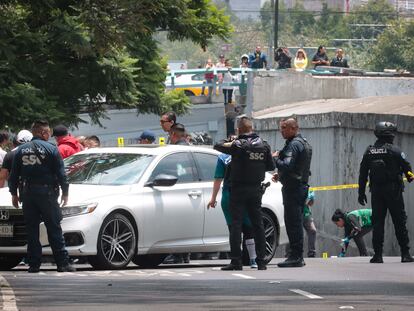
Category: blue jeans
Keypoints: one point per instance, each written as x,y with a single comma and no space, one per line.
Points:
44,207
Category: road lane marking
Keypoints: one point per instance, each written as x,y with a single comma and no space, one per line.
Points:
184,274
346,307
243,276
274,282
7,293
306,294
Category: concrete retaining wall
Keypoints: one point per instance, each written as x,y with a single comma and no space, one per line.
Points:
127,124
275,88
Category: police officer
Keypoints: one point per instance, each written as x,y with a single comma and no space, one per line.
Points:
384,163
38,172
293,164
251,158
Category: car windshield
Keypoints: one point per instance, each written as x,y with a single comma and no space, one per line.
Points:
106,168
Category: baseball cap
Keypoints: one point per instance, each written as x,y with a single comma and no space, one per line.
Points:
24,136
60,130
147,134
221,56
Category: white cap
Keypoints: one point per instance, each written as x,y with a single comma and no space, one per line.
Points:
24,136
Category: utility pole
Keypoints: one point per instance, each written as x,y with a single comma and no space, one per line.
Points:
276,24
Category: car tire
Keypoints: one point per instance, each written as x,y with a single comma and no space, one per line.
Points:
116,243
272,236
8,262
149,261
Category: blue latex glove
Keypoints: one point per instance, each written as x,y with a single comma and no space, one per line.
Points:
345,242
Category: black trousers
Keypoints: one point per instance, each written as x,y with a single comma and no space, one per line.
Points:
249,198
294,197
388,197
359,241
228,96
44,207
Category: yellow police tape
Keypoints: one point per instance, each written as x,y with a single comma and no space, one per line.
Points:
342,187
336,187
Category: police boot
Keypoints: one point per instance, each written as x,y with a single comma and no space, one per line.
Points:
234,265
406,257
292,262
377,258
66,268
34,269
261,264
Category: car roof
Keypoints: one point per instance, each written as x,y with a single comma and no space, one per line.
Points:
149,149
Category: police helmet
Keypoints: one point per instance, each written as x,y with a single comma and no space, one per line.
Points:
385,129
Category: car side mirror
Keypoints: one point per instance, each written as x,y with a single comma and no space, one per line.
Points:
162,180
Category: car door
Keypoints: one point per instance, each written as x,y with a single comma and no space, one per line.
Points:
215,228
175,214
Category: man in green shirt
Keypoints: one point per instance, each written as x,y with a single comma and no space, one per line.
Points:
356,224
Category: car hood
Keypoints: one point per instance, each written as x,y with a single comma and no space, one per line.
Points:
78,193
91,193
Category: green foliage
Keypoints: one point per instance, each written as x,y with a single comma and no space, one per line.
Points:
300,19
61,58
374,12
395,48
175,100
297,27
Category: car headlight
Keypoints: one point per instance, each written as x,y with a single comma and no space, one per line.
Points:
75,210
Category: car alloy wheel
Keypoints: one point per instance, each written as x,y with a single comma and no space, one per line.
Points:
116,243
271,234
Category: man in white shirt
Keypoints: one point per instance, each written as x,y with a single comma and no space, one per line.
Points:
4,139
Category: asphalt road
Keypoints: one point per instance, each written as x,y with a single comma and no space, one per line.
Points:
324,284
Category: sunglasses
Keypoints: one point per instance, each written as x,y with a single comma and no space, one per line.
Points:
163,121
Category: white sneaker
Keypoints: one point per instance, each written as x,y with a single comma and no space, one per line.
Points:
253,264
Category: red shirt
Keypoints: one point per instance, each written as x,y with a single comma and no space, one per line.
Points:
68,145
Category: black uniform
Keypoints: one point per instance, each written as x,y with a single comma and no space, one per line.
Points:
283,59
293,164
339,62
38,172
251,158
384,163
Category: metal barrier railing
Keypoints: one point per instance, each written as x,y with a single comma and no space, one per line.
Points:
242,73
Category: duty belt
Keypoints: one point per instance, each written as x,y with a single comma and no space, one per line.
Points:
37,184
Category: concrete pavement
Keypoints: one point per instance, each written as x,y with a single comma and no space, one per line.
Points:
324,284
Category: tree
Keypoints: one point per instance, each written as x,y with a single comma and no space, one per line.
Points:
60,58
375,12
394,48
